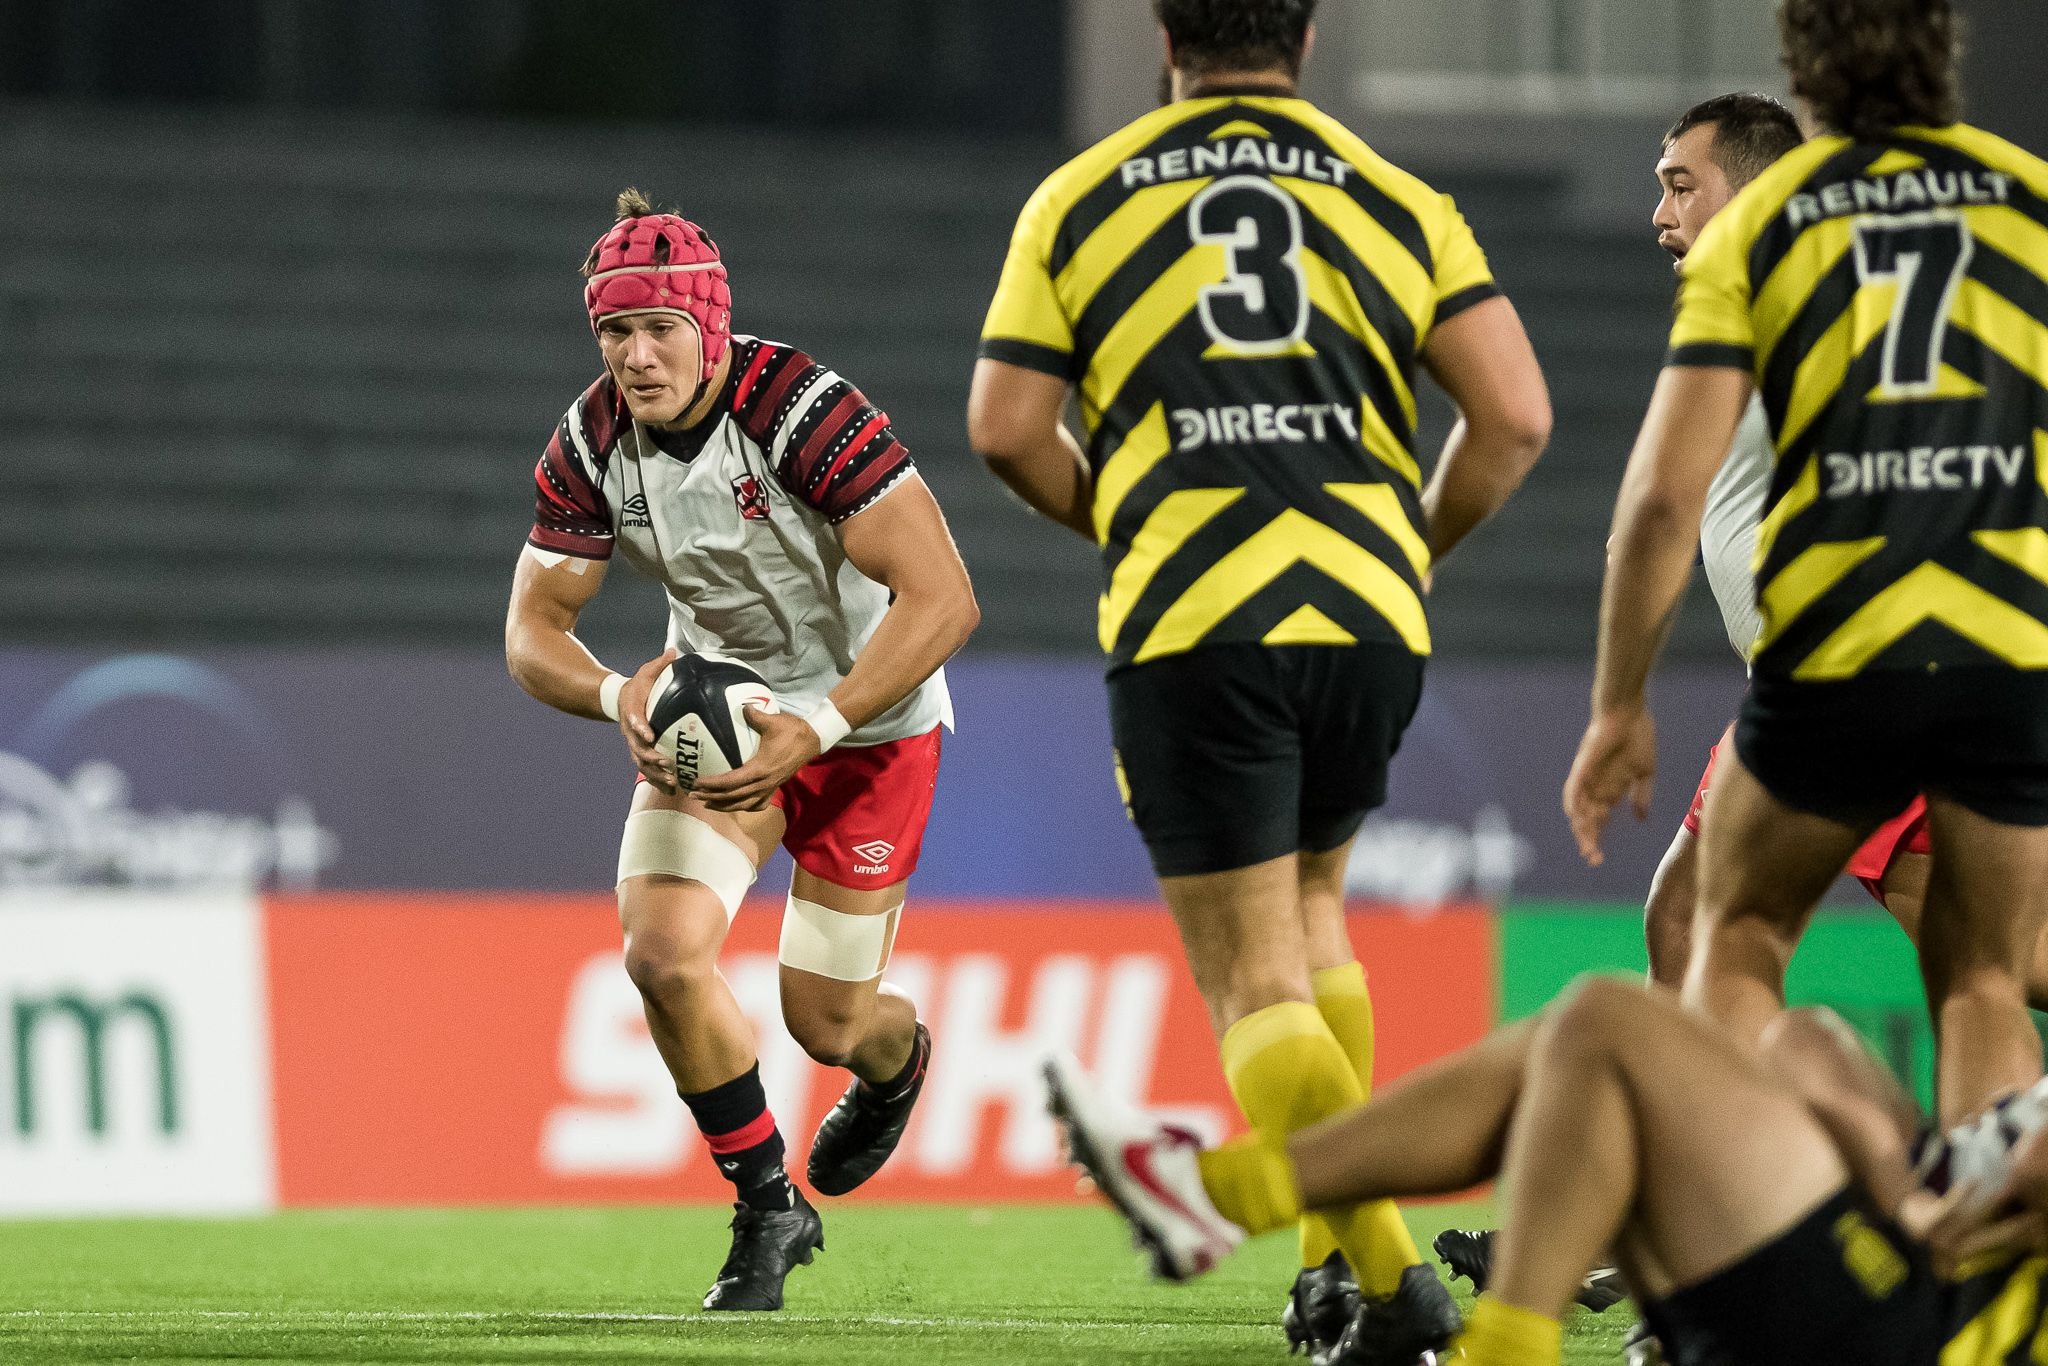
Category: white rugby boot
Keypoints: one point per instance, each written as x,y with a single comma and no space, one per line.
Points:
1146,1169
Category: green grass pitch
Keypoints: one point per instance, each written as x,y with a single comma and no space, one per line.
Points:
898,1285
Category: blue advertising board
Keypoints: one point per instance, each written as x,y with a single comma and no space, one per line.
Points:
423,770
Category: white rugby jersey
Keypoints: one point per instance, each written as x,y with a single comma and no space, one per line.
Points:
738,520
1735,505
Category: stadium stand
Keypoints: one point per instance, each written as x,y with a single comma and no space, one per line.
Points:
284,381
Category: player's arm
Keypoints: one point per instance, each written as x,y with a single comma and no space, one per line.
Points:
1656,536
1693,416
1482,359
1015,422
1016,408
549,592
901,542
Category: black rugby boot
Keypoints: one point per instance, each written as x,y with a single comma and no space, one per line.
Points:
863,1129
1319,1307
1469,1253
766,1245
1414,1324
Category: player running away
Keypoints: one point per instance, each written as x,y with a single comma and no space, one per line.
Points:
1763,1208
1243,291
776,506
1881,287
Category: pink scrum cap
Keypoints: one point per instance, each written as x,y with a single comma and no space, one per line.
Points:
661,263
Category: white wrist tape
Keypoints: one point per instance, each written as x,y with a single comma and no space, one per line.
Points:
608,695
677,844
846,948
829,724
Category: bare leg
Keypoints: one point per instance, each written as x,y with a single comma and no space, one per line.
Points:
1763,869
1320,888
1628,1121
1646,1129
1243,934
1905,896
1668,913
1438,1130
1980,933
862,1026
1247,935
1672,906
674,929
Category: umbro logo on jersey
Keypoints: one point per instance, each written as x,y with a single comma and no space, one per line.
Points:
875,854
634,513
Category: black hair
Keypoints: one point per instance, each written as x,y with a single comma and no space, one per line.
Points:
1235,35
1869,66
1750,132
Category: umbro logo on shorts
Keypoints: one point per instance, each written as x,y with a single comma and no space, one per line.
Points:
635,512
875,854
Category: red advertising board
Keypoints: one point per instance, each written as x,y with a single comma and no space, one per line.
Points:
441,1049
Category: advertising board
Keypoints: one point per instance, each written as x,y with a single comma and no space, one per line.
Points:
491,1050
134,1073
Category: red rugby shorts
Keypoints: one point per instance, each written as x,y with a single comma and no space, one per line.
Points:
1905,833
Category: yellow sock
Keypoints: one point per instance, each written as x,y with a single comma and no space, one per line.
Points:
1501,1334
1288,1071
1346,1007
1252,1183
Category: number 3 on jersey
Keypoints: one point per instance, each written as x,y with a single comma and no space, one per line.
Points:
1925,255
1261,306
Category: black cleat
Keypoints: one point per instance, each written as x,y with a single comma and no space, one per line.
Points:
863,1128
766,1245
1321,1305
1469,1253
1415,1324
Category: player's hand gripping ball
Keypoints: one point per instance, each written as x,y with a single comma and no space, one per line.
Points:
698,716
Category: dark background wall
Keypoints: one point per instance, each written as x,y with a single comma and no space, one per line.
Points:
991,65
288,305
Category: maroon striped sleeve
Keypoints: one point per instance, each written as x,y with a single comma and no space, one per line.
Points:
570,514
837,451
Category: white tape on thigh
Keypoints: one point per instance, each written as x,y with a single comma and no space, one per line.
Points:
846,948
681,845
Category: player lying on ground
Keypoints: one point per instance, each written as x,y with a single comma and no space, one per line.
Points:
792,534
1873,286
1242,291
1763,1208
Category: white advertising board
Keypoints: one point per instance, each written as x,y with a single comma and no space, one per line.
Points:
134,1057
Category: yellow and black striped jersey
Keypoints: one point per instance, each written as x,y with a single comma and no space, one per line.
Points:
1891,301
1996,1315
1240,288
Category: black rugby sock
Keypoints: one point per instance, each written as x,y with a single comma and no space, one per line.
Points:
744,1141
920,1055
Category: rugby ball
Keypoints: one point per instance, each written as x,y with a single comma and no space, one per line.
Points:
698,716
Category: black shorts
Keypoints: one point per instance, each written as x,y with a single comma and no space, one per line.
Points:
1857,751
1842,1285
1234,754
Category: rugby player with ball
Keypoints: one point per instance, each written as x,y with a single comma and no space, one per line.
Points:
814,593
